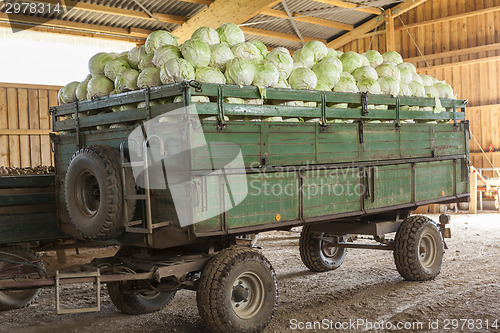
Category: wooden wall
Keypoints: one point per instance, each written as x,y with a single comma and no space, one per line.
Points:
460,40
25,124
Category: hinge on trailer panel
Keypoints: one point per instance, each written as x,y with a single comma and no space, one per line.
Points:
53,140
147,100
364,104
77,127
323,110
220,107
196,85
398,113
360,131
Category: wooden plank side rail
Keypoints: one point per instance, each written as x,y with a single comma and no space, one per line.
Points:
25,124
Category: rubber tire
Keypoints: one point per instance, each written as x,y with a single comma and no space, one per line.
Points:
20,298
217,278
103,163
135,304
407,244
311,254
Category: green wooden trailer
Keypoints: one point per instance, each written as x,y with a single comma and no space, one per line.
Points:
354,164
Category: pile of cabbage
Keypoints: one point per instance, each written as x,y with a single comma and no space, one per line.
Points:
223,56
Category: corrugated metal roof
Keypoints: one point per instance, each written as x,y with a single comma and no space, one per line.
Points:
264,22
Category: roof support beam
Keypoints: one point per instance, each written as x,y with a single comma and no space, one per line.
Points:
373,23
275,34
350,5
218,12
167,18
308,19
25,20
389,28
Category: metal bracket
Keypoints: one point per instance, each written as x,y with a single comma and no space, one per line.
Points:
398,112
364,104
147,100
196,85
360,131
323,109
77,127
97,284
220,107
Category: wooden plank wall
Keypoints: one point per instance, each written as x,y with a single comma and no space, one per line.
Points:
25,124
460,40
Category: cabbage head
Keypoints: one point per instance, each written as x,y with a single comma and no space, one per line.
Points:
247,51
389,86
207,35
364,60
409,66
280,49
327,73
374,57
196,52
303,78
145,62
266,75
230,34
135,55
177,70
127,80
220,54
445,90
346,84
350,61
432,92
405,90
393,57
157,39
417,89
347,76
298,64
262,48
98,61
334,60
164,53
240,72
406,75
370,86
427,80
114,68
318,48
389,70
67,94
305,56
332,53
282,83
149,77
418,78
99,86
81,89
365,72
210,75
322,86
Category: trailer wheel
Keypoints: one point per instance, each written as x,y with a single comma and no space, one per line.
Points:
419,249
94,195
123,297
237,291
18,261
317,255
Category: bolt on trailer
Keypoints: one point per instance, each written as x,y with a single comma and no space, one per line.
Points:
176,182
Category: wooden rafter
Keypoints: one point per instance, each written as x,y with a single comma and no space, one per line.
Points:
354,6
373,23
218,13
308,19
275,34
199,2
454,53
167,18
83,27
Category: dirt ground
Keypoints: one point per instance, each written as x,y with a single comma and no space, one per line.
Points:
365,290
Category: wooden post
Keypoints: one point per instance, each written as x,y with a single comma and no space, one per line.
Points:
473,193
389,28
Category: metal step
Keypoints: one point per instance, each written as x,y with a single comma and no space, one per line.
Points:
133,164
97,288
135,196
